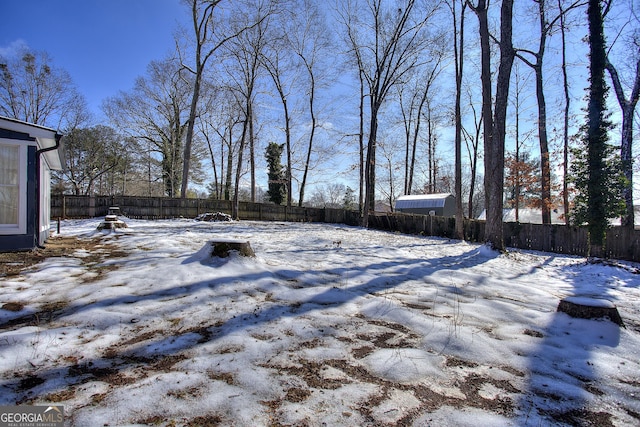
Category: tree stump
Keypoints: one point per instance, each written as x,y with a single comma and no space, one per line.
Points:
111,222
223,248
590,308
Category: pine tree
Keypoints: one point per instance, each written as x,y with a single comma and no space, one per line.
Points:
277,182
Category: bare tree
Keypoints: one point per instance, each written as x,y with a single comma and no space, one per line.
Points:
309,40
90,153
33,90
246,52
390,148
567,107
223,116
494,125
277,63
515,164
156,110
409,106
472,143
458,52
628,106
217,119
419,92
386,41
210,35
433,118
546,27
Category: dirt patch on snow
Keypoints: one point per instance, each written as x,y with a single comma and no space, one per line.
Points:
94,250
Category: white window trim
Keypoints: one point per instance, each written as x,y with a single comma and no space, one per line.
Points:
21,226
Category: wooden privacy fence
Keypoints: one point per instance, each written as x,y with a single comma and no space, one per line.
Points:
621,243
167,208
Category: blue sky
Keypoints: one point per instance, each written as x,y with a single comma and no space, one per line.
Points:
103,44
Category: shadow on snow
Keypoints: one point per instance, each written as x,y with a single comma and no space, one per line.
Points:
37,384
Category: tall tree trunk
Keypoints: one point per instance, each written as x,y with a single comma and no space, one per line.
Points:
200,30
416,130
407,136
516,192
545,167
186,161
507,56
227,187
596,139
243,138
432,152
370,165
223,171
361,147
567,105
628,108
495,126
472,152
493,207
307,162
458,47
474,169
414,148
287,132
201,21
252,153
216,192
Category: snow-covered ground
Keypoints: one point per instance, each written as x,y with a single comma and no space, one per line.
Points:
327,325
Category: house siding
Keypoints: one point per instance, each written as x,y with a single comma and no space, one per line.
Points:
9,134
28,241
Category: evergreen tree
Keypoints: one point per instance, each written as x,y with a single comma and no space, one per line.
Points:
349,201
277,182
611,198
599,195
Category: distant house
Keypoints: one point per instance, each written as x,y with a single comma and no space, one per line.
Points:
636,217
28,154
442,204
534,216
528,216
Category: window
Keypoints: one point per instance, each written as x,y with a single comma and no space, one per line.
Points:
13,180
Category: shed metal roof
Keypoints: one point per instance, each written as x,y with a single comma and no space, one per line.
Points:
419,201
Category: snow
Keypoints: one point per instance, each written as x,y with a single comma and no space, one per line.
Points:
327,325
591,302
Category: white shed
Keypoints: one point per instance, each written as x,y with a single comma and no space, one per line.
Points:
441,204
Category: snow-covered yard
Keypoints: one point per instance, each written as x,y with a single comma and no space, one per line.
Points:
327,325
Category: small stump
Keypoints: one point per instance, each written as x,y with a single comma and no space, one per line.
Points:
590,308
222,248
111,222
